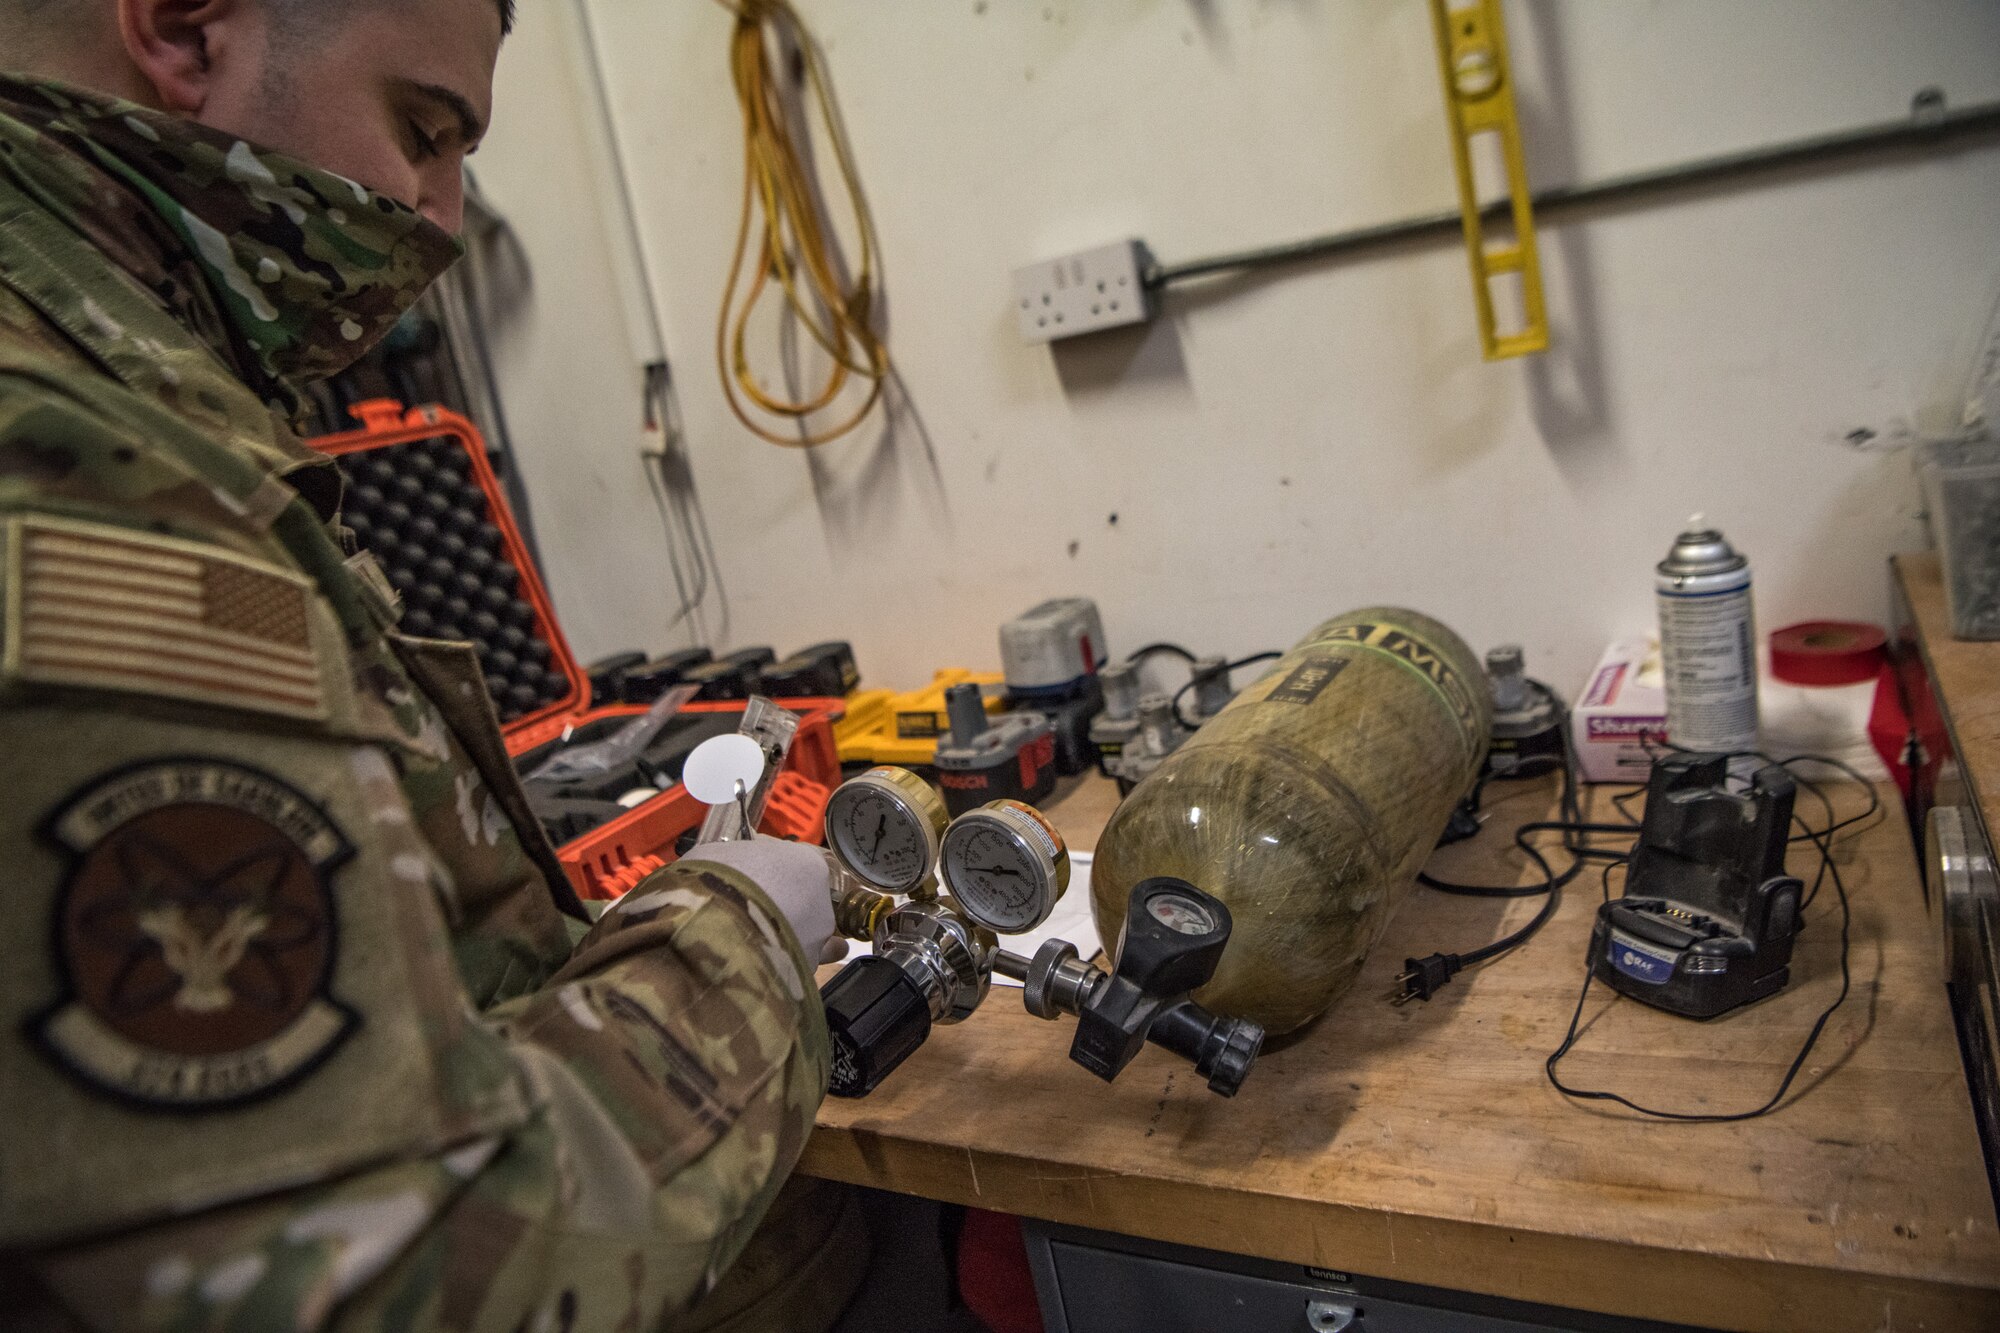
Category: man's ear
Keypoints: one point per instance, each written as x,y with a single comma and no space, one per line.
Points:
176,45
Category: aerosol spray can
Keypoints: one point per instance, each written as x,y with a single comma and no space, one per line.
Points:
1708,642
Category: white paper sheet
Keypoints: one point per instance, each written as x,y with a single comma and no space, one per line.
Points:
1072,921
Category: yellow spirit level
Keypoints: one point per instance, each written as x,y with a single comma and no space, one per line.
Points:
1479,99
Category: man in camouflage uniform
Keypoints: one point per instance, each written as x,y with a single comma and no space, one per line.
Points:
302,1026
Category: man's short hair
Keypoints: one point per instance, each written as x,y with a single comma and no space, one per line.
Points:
52,9
331,9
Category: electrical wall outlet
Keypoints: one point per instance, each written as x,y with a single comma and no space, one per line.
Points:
1084,292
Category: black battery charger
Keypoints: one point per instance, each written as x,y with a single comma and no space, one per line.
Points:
1708,916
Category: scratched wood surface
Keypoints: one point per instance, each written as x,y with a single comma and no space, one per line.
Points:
1424,1144
1967,672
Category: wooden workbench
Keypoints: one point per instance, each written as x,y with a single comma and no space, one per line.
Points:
1424,1144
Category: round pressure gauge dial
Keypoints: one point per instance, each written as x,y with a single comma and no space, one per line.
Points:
1005,865
885,826
1180,913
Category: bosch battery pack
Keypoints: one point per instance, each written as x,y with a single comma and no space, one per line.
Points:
1008,757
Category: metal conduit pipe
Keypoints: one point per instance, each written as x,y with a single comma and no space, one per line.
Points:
1929,125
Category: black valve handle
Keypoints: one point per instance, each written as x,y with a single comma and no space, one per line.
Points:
1222,1049
1172,942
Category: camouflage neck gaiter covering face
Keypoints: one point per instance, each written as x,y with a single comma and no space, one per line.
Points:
288,273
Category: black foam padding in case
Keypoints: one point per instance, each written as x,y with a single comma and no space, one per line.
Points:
419,509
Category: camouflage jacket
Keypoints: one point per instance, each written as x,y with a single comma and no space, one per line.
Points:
295,1034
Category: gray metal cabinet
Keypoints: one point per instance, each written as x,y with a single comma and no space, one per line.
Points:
1094,1282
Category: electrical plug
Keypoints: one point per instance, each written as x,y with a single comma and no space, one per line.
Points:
1423,977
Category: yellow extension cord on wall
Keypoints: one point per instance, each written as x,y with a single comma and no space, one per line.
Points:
795,247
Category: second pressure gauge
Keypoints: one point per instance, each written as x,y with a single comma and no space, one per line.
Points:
885,826
1005,865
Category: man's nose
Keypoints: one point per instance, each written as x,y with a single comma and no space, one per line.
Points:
444,201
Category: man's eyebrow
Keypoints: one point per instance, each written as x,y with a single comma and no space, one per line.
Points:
471,129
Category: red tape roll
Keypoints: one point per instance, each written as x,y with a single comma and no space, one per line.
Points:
1827,652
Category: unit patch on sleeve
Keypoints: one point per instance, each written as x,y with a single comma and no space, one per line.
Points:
195,935
113,609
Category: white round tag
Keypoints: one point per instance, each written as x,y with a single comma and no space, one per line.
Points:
718,764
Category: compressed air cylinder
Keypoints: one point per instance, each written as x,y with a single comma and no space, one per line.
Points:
1307,806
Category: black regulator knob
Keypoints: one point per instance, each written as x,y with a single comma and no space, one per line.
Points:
876,1015
1223,1049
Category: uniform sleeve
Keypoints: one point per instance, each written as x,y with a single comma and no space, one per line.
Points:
592,1153
685,1037
677,1063
246,1083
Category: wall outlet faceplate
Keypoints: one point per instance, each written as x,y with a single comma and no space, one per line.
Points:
1085,292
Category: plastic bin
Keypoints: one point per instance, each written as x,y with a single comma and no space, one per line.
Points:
1961,481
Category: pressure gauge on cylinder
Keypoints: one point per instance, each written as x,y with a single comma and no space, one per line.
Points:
885,827
1005,865
1180,913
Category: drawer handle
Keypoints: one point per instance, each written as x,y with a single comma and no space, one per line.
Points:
1330,1316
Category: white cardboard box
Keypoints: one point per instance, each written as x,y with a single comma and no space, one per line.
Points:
1623,705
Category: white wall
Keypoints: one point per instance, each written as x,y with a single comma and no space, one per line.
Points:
1285,448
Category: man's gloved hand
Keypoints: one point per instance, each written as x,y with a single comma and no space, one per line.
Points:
796,877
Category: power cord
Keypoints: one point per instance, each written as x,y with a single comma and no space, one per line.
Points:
1822,839
797,247
1138,655
1424,977
677,523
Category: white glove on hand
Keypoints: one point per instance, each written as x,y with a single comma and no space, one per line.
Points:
796,877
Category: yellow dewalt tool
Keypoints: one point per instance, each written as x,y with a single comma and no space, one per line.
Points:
883,727
1478,100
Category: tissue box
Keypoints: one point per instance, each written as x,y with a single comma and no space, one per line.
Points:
1622,709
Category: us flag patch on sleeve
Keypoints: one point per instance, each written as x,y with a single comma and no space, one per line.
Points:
108,608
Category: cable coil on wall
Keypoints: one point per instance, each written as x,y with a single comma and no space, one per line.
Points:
796,247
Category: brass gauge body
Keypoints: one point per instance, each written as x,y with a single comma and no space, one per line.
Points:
1005,865
886,827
